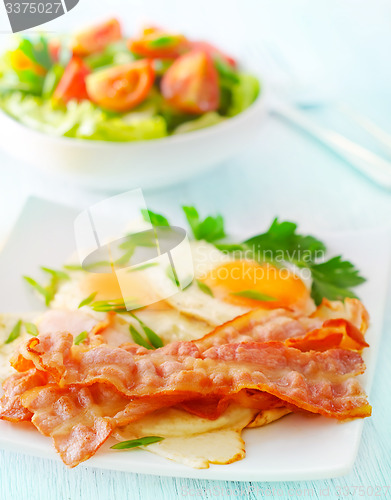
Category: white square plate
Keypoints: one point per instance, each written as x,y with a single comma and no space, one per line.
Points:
294,448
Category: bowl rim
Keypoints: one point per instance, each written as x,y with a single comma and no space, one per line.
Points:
257,105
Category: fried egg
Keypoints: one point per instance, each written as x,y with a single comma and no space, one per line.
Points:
195,441
222,289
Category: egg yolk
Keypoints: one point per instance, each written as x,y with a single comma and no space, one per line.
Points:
106,286
246,283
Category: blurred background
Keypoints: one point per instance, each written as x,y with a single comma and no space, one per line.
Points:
332,56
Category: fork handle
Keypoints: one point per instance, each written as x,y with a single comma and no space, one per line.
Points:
368,163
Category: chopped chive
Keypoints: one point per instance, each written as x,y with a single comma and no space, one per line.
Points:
153,337
31,329
80,338
143,266
73,267
124,259
253,294
117,305
87,300
135,443
138,339
15,332
172,275
59,275
40,289
204,288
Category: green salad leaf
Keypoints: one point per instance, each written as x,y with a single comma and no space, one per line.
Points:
244,93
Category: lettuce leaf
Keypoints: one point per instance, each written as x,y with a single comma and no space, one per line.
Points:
204,121
243,93
82,120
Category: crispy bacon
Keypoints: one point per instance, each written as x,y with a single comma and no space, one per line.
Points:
318,382
79,394
14,386
79,419
261,326
335,333
350,309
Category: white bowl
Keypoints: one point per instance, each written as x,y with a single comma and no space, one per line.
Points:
114,166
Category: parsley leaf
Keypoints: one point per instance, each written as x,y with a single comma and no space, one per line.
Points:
210,229
154,218
282,242
333,279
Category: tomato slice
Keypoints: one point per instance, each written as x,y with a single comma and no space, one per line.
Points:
156,43
212,50
121,88
73,82
54,46
96,38
191,83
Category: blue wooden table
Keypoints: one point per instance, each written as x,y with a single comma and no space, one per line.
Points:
283,173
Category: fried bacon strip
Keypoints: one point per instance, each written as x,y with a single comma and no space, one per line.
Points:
77,418
320,382
79,394
261,326
11,408
335,333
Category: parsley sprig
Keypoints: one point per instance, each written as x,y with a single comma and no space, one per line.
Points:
332,278
210,229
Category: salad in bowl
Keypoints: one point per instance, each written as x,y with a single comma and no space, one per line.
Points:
100,85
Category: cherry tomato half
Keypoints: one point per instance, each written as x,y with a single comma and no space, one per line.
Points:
212,50
191,83
121,88
157,43
73,82
96,38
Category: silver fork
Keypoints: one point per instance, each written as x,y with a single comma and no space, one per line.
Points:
285,89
